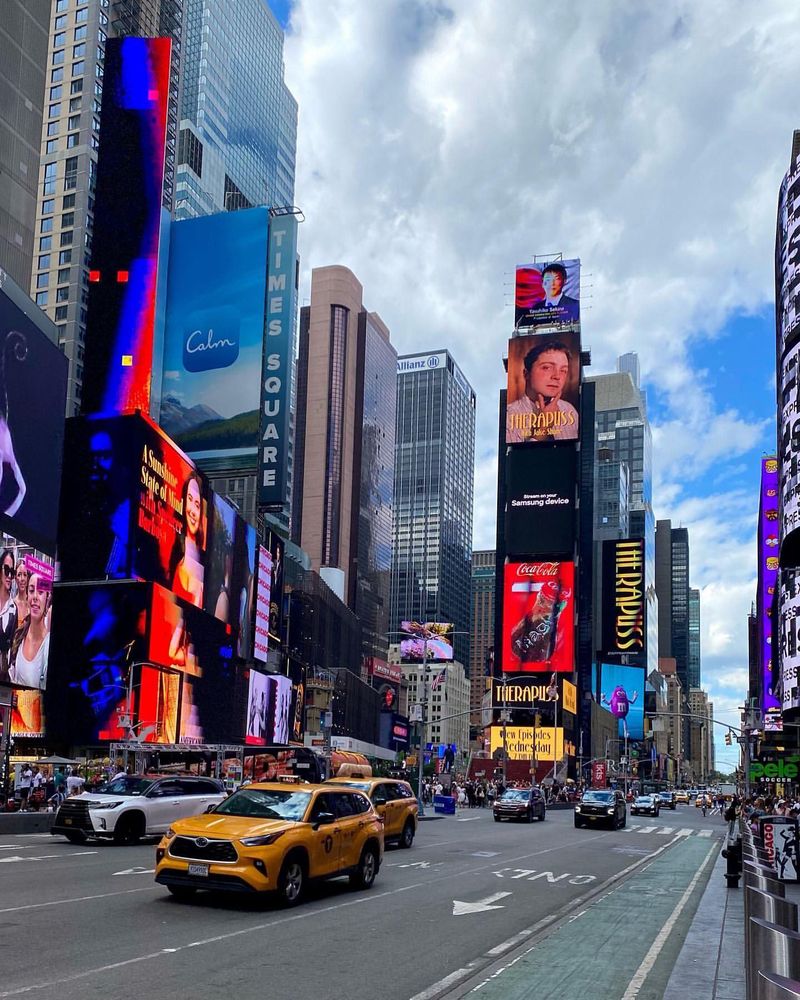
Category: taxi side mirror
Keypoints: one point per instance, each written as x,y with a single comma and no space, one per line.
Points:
323,819
211,808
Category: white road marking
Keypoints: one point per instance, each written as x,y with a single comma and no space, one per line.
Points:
467,819
517,939
442,984
704,833
47,857
75,899
649,959
685,832
136,871
647,829
479,905
485,854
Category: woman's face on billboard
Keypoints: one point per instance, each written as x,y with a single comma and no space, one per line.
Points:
193,508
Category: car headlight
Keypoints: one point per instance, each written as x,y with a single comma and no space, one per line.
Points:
577,809
270,838
610,812
170,834
105,805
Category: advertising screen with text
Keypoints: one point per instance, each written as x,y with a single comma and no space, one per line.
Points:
538,617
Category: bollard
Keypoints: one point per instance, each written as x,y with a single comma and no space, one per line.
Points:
759,868
774,987
773,949
733,863
770,907
764,884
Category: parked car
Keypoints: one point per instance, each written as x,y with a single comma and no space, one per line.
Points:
520,803
668,800
647,804
601,806
134,806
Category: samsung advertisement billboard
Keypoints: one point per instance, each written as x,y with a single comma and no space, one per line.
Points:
214,333
540,501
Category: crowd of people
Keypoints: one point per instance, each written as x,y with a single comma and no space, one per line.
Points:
479,793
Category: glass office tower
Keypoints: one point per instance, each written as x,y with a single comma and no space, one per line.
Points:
433,490
238,129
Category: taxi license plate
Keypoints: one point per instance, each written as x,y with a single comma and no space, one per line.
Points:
199,870
68,822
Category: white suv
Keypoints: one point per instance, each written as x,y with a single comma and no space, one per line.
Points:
135,805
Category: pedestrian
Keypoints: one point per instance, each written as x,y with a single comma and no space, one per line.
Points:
24,786
75,783
480,796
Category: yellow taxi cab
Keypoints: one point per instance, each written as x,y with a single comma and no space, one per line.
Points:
393,800
682,796
273,837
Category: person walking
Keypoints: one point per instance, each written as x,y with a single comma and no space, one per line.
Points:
24,786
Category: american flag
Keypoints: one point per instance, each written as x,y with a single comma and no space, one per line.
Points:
439,679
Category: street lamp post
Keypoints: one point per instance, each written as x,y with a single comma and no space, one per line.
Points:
423,722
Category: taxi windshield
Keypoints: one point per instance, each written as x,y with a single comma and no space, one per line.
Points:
126,784
266,803
515,795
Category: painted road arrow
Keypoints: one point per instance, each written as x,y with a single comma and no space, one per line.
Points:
136,871
479,906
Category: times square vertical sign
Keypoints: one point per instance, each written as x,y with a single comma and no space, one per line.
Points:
277,361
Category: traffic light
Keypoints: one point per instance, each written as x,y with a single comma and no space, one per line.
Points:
728,738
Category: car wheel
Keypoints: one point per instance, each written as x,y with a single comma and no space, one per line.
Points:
129,830
578,824
407,837
182,892
367,869
292,881
76,838
497,819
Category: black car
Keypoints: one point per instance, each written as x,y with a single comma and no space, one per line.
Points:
668,800
601,805
520,803
648,804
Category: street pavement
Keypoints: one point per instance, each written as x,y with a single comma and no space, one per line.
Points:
456,912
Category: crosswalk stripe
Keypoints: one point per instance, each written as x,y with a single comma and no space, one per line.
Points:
665,831
647,829
685,832
704,833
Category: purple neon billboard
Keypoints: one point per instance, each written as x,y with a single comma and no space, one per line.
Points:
768,541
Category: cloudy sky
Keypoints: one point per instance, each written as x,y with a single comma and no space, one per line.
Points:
441,144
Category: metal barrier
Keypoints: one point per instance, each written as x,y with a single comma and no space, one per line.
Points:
771,908
772,987
772,949
764,884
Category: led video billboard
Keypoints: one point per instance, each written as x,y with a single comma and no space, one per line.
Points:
269,702
768,547
527,743
33,388
261,639
547,293
622,693
426,640
124,272
543,396
540,501
624,604
276,546
789,583
26,593
214,332
538,617
528,691
230,571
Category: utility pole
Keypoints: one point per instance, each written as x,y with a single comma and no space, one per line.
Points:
423,723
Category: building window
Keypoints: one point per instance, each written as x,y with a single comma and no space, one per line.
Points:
61,5
41,298
82,15
62,295
79,51
73,140
75,105
58,57
78,68
63,275
65,257
52,128
48,206
46,226
44,260
76,87
55,93
57,74
80,32
59,38
54,110
74,121
51,146
60,22
66,239
61,314
45,242
42,280
68,201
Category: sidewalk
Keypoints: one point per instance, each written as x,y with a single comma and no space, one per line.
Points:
711,962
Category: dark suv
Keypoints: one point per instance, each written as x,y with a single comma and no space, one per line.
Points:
520,803
601,805
668,800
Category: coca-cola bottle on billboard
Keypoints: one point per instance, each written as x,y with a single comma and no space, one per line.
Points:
532,637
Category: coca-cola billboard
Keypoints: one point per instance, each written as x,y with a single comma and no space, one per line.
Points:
538,617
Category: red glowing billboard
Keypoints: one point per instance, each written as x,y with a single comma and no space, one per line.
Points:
538,617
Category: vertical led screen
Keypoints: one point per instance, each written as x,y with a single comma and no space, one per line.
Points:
540,501
33,388
768,548
230,571
547,293
538,617
276,369
261,639
790,640
623,628
118,360
214,332
268,709
276,588
622,693
543,397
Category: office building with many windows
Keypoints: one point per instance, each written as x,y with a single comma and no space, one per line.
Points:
693,671
433,495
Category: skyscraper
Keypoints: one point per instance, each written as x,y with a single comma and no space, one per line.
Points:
344,449
482,626
624,474
24,29
433,491
78,30
694,639
238,119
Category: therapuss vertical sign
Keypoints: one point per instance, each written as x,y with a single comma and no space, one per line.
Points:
276,370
